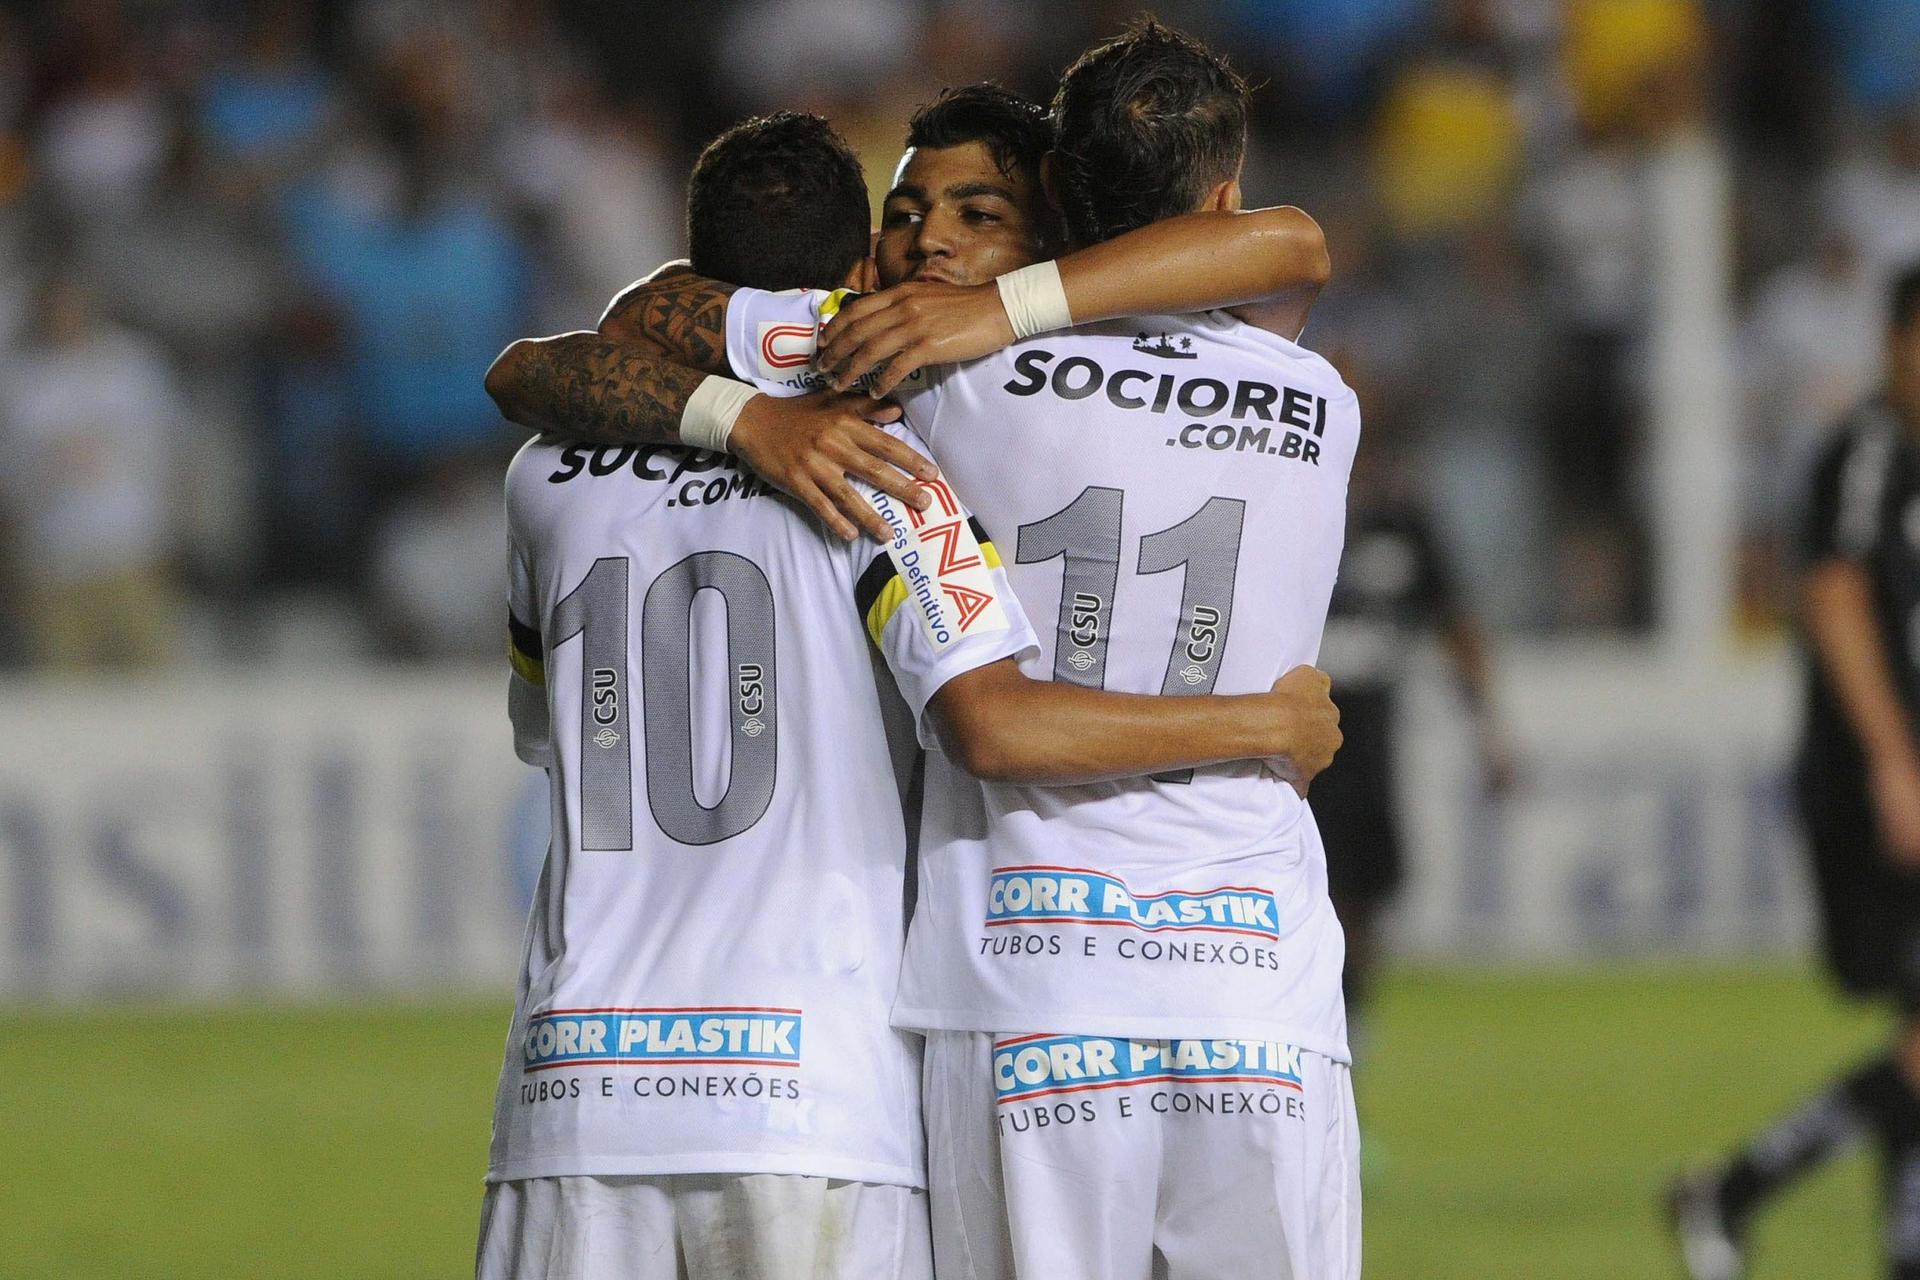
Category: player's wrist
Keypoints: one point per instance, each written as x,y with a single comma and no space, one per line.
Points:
1034,300
994,317
713,413
1277,729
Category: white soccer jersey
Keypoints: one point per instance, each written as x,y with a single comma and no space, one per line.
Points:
717,933
1171,491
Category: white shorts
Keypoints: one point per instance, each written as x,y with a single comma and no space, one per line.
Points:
1097,1158
755,1226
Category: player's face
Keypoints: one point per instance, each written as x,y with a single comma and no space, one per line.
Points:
953,216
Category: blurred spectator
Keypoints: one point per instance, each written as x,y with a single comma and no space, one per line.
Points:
1809,352
1447,146
267,108
88,413
1632,68
1588,215
195,267
440,561
1480,422
605,192
104,135
820,46
1621,56
1877,47
427,278
1329,50
1874,197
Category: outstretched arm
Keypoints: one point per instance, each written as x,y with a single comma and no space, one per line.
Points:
584,385
676,314
630,381
998,724
590,388
1267,264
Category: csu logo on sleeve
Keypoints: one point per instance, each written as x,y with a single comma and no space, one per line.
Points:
1026,1067
719,1034
1079,895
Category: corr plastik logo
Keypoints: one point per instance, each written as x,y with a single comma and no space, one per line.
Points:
1026,1067
1078,895
736,1035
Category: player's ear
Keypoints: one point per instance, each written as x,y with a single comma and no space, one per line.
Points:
1224,198
1048,187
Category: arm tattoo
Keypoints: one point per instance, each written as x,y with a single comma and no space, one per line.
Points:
682,313
583,386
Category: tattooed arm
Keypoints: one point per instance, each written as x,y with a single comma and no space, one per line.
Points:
675,314
620,385
628,382
583,385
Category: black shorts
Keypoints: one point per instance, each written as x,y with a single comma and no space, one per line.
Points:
1869,905
1353,805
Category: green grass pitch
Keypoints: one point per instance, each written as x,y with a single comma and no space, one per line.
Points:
1518,1127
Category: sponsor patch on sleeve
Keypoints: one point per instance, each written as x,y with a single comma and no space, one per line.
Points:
940,565
786,347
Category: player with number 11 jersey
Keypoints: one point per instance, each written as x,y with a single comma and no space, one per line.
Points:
1179,529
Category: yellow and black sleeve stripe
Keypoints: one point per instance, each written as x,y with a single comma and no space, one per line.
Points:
831,304
881,591
524,651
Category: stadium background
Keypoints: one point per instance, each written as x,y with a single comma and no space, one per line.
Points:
1605,272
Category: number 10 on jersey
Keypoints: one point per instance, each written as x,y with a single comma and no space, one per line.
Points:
597,613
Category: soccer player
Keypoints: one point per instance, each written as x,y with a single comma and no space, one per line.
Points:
1137,1050
700,1078
1858,782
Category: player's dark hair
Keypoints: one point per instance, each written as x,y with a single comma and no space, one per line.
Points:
1904,299
1012,128
777,202
1143,127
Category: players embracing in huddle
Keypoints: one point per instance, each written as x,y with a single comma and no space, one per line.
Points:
1121,952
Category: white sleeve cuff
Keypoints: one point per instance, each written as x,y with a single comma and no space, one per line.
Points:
707,422
1035,300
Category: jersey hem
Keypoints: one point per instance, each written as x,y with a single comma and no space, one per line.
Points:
706,1162
1129,1026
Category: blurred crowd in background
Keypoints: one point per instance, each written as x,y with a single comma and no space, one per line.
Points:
254,259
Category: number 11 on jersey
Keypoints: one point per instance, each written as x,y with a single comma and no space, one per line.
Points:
1085,535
